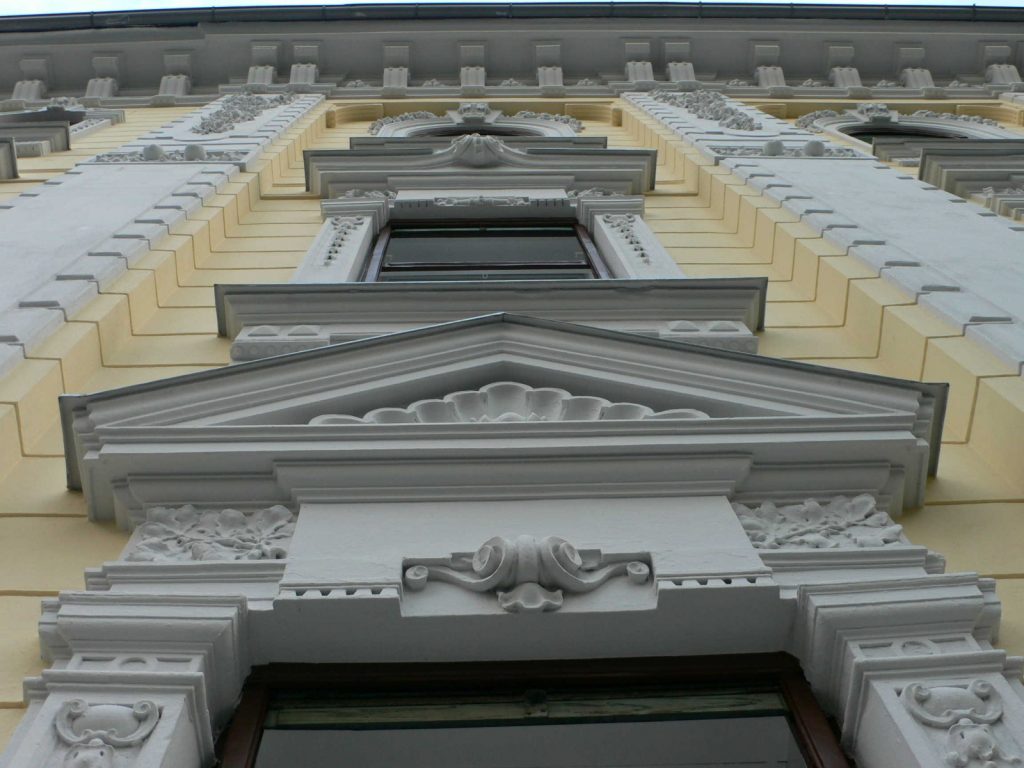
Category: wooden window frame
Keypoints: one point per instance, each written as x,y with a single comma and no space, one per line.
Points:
374,264
819,745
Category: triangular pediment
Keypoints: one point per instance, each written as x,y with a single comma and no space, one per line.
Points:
515,380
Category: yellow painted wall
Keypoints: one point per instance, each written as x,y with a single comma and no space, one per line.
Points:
158,320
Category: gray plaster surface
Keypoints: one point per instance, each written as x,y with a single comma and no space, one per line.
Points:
42,235
976,252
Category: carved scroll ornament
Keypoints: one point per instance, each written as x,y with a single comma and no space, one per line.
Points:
95,731
968,712
528,575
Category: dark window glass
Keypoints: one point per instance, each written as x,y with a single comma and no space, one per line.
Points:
476,251
868,134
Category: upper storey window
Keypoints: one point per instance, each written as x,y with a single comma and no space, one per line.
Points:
474,250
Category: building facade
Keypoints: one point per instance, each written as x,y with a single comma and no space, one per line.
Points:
535,359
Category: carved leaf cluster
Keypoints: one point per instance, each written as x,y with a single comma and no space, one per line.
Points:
813,148
710,105
184,534
239,108
572,122
841,522
809,121
933,115
405,117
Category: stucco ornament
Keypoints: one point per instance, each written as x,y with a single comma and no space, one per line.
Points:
842,522
478,151
968,712
474,110
509,401
497,201
933,115
876,113
808,122
343,226
184,534
528,575
592,192
710,105
370,194
572,122
96,731
239,108
624,225
405,117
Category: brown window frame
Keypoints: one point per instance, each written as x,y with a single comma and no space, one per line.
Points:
371,272
819,745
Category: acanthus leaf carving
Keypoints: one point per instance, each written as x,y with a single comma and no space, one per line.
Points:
509,401
968,712
527,574
187,534
841,522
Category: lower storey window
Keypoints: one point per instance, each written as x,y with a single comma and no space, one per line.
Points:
484,251
751,711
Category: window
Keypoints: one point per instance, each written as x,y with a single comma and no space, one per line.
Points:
871,131
753,710
474,250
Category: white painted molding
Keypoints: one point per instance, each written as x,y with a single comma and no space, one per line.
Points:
720,313
472,117
947,59
851,202
508,401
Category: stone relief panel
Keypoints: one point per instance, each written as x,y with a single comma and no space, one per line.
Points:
509,401
527,574
710,105
187,534
239,108
475,115
95,732
840,523
968,712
